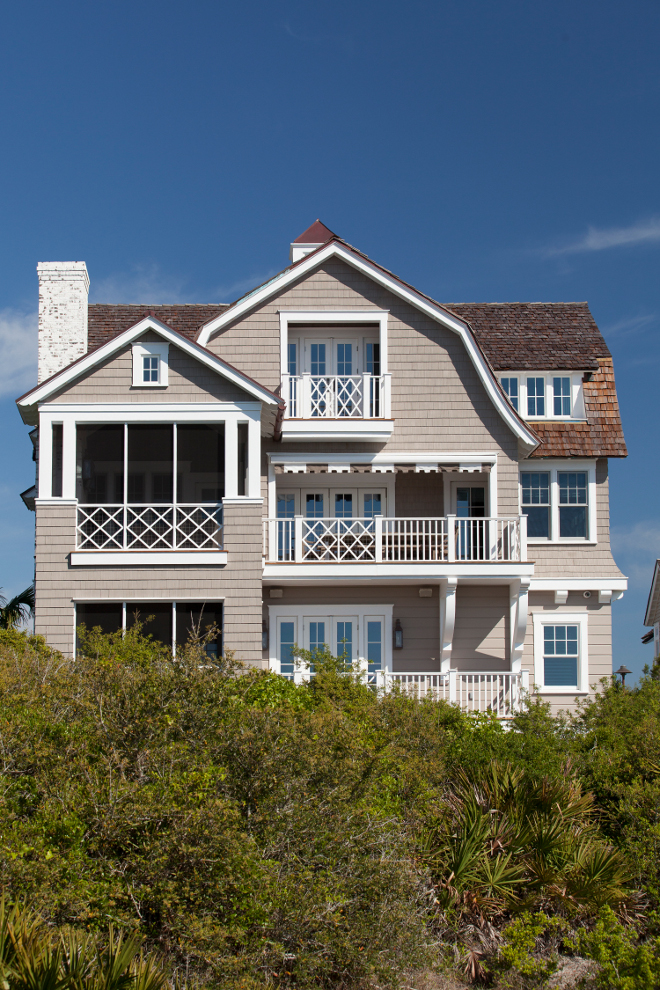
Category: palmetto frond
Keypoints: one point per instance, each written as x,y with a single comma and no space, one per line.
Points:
16,609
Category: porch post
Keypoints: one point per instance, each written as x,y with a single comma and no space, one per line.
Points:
447,621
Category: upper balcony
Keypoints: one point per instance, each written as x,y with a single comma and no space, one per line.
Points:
337,407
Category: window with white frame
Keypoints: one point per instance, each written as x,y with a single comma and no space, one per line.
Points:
170,623
559,503
545,395
150,365
560,651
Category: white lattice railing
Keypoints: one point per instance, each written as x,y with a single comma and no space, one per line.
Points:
394,540
336,396
149,527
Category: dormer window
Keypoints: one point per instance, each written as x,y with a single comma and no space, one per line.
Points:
545,395
150,367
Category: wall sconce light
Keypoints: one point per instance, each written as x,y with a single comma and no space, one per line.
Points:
264,635
398,635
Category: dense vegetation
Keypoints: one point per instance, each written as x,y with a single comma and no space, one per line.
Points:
250,833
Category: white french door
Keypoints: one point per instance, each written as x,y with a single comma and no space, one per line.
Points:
362,634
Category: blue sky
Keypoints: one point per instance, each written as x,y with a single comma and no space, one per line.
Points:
482,150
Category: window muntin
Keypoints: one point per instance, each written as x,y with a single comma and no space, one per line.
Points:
510,387
536,396
572,503
374,644
471,502
317,360
535,500
561,388
373,504
286,644
150,368
560,655
344,645
344,359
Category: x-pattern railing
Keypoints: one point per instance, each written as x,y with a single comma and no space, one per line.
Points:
336,396
149,527
338,539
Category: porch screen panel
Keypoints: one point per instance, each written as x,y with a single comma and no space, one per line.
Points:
56,489
150,464
107,615
200,463
242,458
196,619
100,464
156,619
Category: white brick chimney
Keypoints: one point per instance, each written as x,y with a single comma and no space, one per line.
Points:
63,294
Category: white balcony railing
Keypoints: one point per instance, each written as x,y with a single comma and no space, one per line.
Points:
336,396
498,692
393,540
149,527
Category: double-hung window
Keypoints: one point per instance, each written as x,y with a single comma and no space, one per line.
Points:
561,391
535,502
572,503
510,387
561,651
536,396
559,503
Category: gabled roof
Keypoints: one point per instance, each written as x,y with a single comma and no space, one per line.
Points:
88,361
653,605
318,233
337,248
106,320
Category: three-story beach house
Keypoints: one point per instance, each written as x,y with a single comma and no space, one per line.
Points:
333,459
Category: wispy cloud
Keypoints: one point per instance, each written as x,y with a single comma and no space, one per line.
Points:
18,351
142,284
630,325
601,239
636,549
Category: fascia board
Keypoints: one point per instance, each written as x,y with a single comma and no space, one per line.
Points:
386,457
89,361
648,621
419,302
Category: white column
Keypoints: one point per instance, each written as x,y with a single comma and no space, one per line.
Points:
254,458
447,621
68,458
231,458
45,457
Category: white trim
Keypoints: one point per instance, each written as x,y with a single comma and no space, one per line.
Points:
143,412
552,467
330,611
366,430
121,599
89,361
481,572
549,618
618,585
577,414
386,458
142,349
146,558
334,249
243,500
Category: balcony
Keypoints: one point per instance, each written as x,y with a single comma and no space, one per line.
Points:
337,407
499,693
161,533
383,540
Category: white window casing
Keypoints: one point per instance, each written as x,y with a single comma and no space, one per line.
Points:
554,469
577,412
551,618
152,352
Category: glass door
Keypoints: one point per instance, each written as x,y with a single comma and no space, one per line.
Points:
345,638
286,512
471,540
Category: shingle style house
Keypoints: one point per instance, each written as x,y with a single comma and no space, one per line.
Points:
334,458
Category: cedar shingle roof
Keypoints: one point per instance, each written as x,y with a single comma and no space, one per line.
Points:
535,336
513,336
107,320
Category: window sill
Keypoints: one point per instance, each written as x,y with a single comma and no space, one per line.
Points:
146,558
136,388
561,690
538,541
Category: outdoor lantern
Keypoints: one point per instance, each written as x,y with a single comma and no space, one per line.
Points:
264,635
398,635
622,671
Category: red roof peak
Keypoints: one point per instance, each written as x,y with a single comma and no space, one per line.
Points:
318,233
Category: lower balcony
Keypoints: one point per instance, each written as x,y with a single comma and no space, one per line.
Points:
160,533
499,693
382,540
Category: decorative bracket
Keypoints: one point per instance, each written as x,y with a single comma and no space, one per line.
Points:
518,600
447,620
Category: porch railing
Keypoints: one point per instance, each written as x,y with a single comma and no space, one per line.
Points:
336,396
395,540
185,526
499,692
